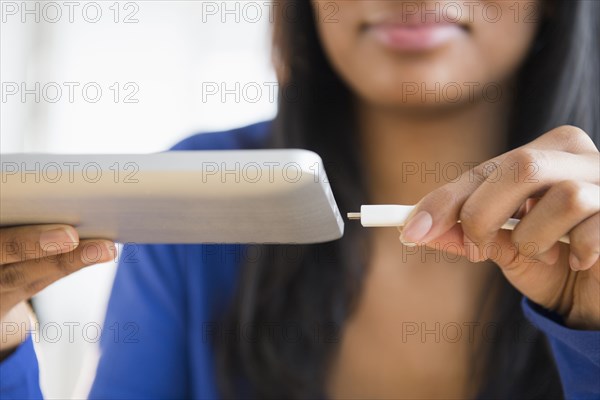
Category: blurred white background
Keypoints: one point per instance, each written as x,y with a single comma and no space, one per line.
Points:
160,57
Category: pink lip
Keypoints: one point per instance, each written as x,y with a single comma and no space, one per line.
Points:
415,37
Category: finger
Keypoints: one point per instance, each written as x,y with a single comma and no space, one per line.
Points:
450,242
521,211
22,243
541,282
585,244
455,242
566,138
485,197
525,207
437,212
550,256
535,165
562,208
502,251
13,297
521,175
26,273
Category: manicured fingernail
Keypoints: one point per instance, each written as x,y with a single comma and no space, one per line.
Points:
417,227
473,252
98,252
57,238
110,251
408,244
574,262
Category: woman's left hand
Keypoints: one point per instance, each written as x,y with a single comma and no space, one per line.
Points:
553,185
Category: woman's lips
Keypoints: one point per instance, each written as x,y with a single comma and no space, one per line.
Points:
415,37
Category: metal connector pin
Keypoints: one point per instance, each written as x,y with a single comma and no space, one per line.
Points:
354,215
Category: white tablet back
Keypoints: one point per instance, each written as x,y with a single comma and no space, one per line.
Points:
222,196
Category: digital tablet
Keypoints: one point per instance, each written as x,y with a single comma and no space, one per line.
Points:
217,196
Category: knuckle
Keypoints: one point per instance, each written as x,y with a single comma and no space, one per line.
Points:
525,155
566,131
523,162
471,217
572,137
571,195
11,276
570,133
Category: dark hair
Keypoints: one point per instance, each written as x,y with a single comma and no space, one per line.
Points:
315,290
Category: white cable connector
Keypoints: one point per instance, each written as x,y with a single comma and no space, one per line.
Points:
382,215
396,215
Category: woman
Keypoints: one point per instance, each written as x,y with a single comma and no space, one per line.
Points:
390,94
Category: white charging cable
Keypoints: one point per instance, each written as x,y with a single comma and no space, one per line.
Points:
395,215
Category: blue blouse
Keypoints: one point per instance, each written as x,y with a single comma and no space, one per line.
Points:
165,306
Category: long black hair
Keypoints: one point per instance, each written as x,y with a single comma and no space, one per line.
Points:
312,292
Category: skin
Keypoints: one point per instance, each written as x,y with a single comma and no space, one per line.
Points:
486,52
31,258
552,184
403,286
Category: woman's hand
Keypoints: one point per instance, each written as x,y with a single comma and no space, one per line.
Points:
33,257
553,185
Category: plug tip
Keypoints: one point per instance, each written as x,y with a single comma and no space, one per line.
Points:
354,215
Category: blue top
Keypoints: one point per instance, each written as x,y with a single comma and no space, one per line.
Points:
166,300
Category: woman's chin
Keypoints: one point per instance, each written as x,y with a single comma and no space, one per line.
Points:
425,96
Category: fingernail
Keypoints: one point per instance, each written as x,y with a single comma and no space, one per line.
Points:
57,238
473,252
417,227
574,262
108,254
408,244
97,252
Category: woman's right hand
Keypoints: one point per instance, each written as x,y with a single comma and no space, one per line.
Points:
31,258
